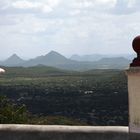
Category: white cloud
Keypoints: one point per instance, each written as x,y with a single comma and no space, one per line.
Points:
53,3
75,12
83,3
94,3
26,4
131,3
46,9
35,4
106,1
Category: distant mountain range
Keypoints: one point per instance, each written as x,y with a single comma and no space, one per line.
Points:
96,57
54,59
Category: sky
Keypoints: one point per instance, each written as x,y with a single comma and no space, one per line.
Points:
31,28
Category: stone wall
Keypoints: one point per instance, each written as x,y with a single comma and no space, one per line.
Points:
34,132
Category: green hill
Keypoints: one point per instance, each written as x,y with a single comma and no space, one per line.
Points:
36,71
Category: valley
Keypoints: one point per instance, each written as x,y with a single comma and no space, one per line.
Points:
95,97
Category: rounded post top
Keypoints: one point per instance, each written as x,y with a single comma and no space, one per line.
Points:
136,44
136,47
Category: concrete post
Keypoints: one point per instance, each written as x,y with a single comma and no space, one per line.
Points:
134,93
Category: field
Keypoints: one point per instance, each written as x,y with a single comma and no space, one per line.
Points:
96,97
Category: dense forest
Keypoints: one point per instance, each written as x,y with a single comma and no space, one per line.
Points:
53,96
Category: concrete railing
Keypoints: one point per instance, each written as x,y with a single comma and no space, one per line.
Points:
38,132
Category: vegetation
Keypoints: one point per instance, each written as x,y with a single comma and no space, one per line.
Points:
97,97
55,120
11,113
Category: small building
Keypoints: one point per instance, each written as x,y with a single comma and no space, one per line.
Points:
2,71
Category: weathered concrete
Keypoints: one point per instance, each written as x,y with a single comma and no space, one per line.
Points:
134,136
36,132
134,99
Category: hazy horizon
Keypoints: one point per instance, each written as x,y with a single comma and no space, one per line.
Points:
69,56
31,28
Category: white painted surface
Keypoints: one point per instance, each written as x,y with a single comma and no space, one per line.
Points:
63,128
44,132
134,99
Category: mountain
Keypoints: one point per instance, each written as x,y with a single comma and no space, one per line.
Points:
96,57
93,57
51,59
113,60
13,60
113,63
54,59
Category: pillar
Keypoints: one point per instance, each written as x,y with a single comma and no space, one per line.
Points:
134,92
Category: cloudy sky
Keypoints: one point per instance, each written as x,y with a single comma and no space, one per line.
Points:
35,27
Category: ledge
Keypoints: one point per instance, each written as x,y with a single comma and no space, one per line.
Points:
41,132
